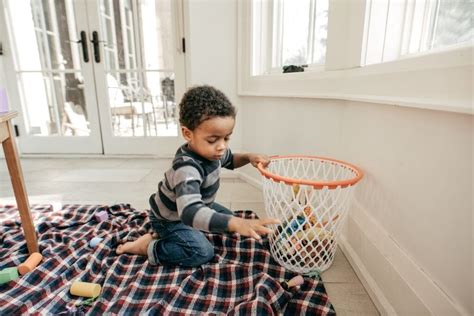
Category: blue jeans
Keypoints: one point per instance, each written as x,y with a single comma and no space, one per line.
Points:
180,244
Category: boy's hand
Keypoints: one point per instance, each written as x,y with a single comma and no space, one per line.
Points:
251,227
255,159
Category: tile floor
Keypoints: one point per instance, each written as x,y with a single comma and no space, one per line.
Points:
131,180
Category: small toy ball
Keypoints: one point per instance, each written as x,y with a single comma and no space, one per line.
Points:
30,264
8,274
297,280
85,289
101,216
95,241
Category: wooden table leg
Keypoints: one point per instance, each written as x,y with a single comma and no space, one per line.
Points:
16,175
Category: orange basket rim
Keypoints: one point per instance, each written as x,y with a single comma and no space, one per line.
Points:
316,184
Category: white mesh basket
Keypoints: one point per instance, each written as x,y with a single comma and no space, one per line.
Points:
310,196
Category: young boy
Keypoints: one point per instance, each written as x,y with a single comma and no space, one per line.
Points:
184,204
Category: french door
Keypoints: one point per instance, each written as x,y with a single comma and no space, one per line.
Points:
95,77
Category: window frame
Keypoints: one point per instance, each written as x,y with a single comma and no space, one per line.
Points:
438,79
272,10
111,43
276,8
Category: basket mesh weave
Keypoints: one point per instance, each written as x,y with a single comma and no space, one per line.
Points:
311,215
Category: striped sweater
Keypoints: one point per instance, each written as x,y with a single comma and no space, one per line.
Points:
189,189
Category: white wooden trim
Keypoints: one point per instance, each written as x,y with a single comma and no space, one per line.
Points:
250,180
370,285
411,275
96,156
345,36
439,81
419,103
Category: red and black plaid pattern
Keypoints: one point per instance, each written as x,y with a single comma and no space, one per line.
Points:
242,278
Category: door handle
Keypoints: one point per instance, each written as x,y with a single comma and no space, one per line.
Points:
85,50
83,42
95,42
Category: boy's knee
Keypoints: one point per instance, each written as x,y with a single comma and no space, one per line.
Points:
203,255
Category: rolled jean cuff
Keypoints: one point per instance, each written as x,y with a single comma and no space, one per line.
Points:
151,254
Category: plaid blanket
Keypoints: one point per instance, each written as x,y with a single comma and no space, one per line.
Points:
242,278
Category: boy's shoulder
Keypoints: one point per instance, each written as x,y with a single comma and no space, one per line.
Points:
184,158
183,154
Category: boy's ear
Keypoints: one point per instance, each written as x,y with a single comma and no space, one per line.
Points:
187,133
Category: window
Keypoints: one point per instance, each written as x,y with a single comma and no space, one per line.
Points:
395,29
364,50
296,31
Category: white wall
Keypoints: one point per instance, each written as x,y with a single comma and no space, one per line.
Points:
211,46
3,82
413,212
2,74
3,85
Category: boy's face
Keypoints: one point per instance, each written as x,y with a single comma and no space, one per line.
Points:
211,137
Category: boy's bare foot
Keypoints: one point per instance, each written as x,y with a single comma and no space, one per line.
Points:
137,247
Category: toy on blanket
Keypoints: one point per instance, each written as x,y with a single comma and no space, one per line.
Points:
8,274
30,264
95,241
297,280
101,216
85,289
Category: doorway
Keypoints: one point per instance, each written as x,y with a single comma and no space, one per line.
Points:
95,77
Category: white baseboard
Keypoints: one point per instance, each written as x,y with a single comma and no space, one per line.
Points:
394,281
96,156
250,180
370,285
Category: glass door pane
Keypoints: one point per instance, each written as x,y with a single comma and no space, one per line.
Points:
141,72
52,75
142,107
140,86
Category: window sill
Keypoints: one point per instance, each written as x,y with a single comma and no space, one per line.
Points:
419,103
437,81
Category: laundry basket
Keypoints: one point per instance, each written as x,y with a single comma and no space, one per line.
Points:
310,196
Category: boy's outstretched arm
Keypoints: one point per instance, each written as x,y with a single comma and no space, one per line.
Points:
241,159
251,227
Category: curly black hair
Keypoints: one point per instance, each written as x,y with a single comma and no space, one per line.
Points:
202,103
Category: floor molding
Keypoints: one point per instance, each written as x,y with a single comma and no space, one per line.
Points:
250,180
94,156
374,291
419,293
